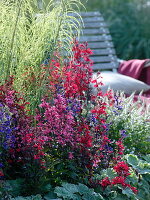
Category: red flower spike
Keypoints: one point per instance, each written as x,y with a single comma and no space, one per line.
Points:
122,169
105,182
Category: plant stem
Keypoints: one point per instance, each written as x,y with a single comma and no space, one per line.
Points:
53,48
12,40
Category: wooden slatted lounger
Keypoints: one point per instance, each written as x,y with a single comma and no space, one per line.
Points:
96,33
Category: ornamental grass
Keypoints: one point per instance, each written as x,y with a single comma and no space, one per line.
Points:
55,138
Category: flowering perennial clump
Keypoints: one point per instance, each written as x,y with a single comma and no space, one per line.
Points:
6,128
68,132
17,133
58,122
122,170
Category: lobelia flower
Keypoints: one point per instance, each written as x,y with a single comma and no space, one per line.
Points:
118,180
122,133
120,146
121,180
6,128
1,165
105,182
117,105
122,169
17,126
1,174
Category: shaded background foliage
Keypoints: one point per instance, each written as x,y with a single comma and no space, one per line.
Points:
128,23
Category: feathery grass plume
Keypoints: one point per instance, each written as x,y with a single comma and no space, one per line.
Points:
29,35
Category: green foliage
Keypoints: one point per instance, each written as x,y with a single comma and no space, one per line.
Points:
139,177
129,29
141,167
133,117
129,25
14,187
51,196
37,197
76,192
114,192
108,173
119,193
17,189
63,169
29,35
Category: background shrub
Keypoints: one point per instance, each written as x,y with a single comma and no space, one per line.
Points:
134,121
129,25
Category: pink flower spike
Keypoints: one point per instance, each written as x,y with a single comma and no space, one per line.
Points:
70,156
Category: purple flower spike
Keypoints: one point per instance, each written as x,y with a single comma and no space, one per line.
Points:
122,133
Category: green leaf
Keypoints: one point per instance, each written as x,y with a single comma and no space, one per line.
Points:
77,192
147,158
83,189
128,192
132,179
144,184
120,197
93,196
70,187
132,160
146,177
14,187
67,191
143,195
61,192
47,188
37,197
144,171
110,173
50,195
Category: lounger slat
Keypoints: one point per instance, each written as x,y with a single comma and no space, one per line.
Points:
106,51
90,14
105,66
92,19
95,31
99,45
99,59
94,25
95,38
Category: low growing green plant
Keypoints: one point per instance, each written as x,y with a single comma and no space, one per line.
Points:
133,118
37,197
141,167
77,192
139,178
